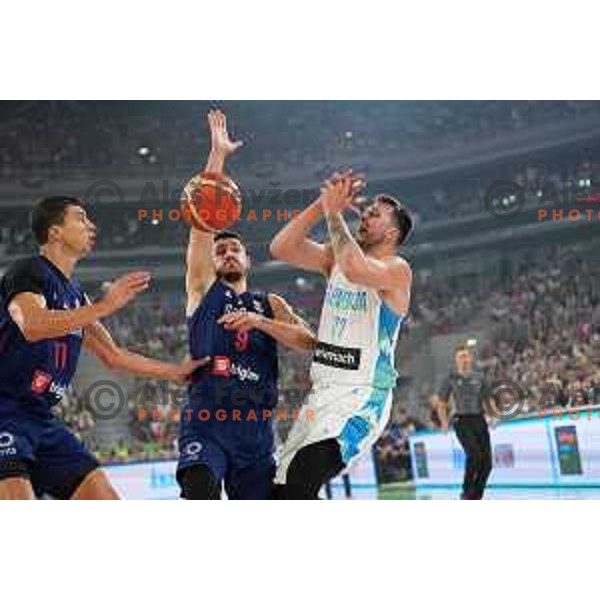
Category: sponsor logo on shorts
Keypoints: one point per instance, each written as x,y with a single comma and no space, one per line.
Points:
40,381
244,373
338,357
223,367
57,390
193,449
7,442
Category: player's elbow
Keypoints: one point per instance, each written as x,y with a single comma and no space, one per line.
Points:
277,249
32,335
308,340
32,332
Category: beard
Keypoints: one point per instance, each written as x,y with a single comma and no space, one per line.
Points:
365,244
230,276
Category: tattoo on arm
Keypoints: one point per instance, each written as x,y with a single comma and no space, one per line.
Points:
338,232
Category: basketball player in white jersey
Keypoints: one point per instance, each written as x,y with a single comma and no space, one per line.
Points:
365,305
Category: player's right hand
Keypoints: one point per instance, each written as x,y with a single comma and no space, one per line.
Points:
124,290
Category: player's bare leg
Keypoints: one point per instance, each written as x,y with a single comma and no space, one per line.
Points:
95,486
16,488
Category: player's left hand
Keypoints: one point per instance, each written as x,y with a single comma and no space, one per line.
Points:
221,142
181,373
240,321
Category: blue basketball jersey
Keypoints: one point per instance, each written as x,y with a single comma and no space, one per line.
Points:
243,364
36,374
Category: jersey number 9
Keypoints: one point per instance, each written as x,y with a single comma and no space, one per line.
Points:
241,341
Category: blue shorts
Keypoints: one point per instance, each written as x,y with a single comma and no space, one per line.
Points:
240,453
38,446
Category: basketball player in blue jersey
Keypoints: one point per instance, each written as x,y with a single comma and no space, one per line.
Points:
45,317
365,305
226,434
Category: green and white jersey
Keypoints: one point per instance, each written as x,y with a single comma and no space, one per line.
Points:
358,332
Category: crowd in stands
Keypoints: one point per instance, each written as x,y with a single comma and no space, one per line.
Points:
547,335
53,139
120,226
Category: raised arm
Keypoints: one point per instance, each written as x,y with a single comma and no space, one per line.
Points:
293,245
200,273
391,275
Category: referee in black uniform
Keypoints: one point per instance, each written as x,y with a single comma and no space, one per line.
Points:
462,397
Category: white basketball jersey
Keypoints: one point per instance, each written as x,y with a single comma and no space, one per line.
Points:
357,336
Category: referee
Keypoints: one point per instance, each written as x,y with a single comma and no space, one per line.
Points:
461,397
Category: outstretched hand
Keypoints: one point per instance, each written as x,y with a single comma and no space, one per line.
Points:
125,289
219,136
182,373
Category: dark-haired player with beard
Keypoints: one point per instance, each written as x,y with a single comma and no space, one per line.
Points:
226,433
45,317
365,305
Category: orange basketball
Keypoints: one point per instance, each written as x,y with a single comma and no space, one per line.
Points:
211,202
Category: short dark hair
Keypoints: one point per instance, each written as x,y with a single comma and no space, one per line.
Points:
50,211
402,217
226,234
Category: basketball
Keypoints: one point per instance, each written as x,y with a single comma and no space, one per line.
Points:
211,202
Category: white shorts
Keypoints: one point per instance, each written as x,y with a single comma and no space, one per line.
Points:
355,416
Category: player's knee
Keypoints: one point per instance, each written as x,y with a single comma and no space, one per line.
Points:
14,481
95,486
311,468
199,483
16,488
